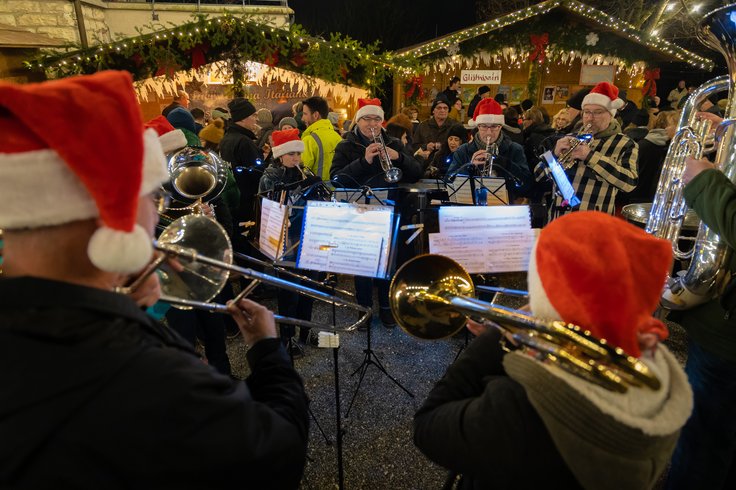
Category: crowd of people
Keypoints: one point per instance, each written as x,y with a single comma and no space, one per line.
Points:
99,393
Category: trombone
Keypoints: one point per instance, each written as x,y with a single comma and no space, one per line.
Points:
432,296
203,250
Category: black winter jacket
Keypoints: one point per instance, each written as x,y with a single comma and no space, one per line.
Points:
97,395
350,168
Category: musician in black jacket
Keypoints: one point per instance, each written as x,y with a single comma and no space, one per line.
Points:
95,393
357,163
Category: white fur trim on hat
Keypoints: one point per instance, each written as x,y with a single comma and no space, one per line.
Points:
602,100
369,110
39,189
154,161
288,147
173,140
489,119
119,251
539,303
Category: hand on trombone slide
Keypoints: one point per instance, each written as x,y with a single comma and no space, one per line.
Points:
144,287
256,322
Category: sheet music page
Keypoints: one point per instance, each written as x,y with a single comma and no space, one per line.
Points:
498,195
460,191
273,218
464,219
497,250
330,225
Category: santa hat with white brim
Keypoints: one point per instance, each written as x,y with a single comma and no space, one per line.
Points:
286,141
171,139
605,95
488,111
369,107
54,170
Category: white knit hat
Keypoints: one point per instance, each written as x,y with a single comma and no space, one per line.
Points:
53,171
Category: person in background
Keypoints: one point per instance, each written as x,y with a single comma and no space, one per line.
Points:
402,120
182,119
511,126
198,115
442,159
430,133
574,110
639,126
212,134
452,92
484,91
500,410
120,378
677,93
456,112
535,132
320,138
181,99
287,123
264,119
561,120
412,113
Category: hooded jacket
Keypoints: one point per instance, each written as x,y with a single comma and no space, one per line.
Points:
328,138
509,421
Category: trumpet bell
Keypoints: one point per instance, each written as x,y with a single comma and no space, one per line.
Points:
419,292
197,281
195,174
393,175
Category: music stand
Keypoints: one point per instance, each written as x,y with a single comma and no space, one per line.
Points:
495,186
369,356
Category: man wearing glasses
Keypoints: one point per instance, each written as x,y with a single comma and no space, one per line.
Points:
605,165
509,162
430,134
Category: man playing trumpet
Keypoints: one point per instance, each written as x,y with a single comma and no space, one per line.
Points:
605,165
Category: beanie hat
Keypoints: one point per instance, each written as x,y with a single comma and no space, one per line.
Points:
286,141
500,98
526,104
80,171
220,113
213,132
181,118
441,99
264,116
459,131
288,120
576,100
602,274
240,108
333,117
171,139
606,95
369,107
483,89
488,111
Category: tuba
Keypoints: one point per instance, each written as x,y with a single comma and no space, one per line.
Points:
196,175
706,272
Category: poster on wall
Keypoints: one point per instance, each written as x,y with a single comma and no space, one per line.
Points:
517,94
561,93
594,74
548,95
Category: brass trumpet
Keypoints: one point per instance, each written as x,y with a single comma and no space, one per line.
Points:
582,138
393,174
431,297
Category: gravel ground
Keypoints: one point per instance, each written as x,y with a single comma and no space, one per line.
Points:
377,446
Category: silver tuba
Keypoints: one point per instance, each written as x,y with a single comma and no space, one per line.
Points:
195,175
701,281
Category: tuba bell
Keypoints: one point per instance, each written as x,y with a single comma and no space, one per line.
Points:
196,175
706,272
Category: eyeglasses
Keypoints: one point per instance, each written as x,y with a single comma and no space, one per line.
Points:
594,113
489,126
161,199
374,119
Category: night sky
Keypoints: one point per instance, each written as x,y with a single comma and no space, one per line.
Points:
396,23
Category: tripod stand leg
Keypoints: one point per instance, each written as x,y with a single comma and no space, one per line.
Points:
378,364
328,441
363,368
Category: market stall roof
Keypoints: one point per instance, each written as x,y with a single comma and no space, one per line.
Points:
600,22
17,37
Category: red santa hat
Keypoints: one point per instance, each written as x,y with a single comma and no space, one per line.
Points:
369,107
488,111
76,149
171,139
606,95
286,141
602,274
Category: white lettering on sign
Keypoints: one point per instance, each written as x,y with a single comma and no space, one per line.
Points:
480,77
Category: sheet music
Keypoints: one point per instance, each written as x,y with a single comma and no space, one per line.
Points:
333,229
273,220
495,250
567,191
461,191
464,219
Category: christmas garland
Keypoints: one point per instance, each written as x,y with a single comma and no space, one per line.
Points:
233,40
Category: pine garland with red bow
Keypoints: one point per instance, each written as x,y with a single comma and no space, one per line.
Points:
414,85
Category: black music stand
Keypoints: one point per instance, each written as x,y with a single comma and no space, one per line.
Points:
369,356
477,184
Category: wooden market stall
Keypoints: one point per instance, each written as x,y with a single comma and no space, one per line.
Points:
544,53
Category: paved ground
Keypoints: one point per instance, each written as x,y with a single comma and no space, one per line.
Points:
378,449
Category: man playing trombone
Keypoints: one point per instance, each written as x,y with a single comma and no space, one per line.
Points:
604,166
96,394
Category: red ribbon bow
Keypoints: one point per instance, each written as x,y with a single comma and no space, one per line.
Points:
539,43
650,86
198,54
415,84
